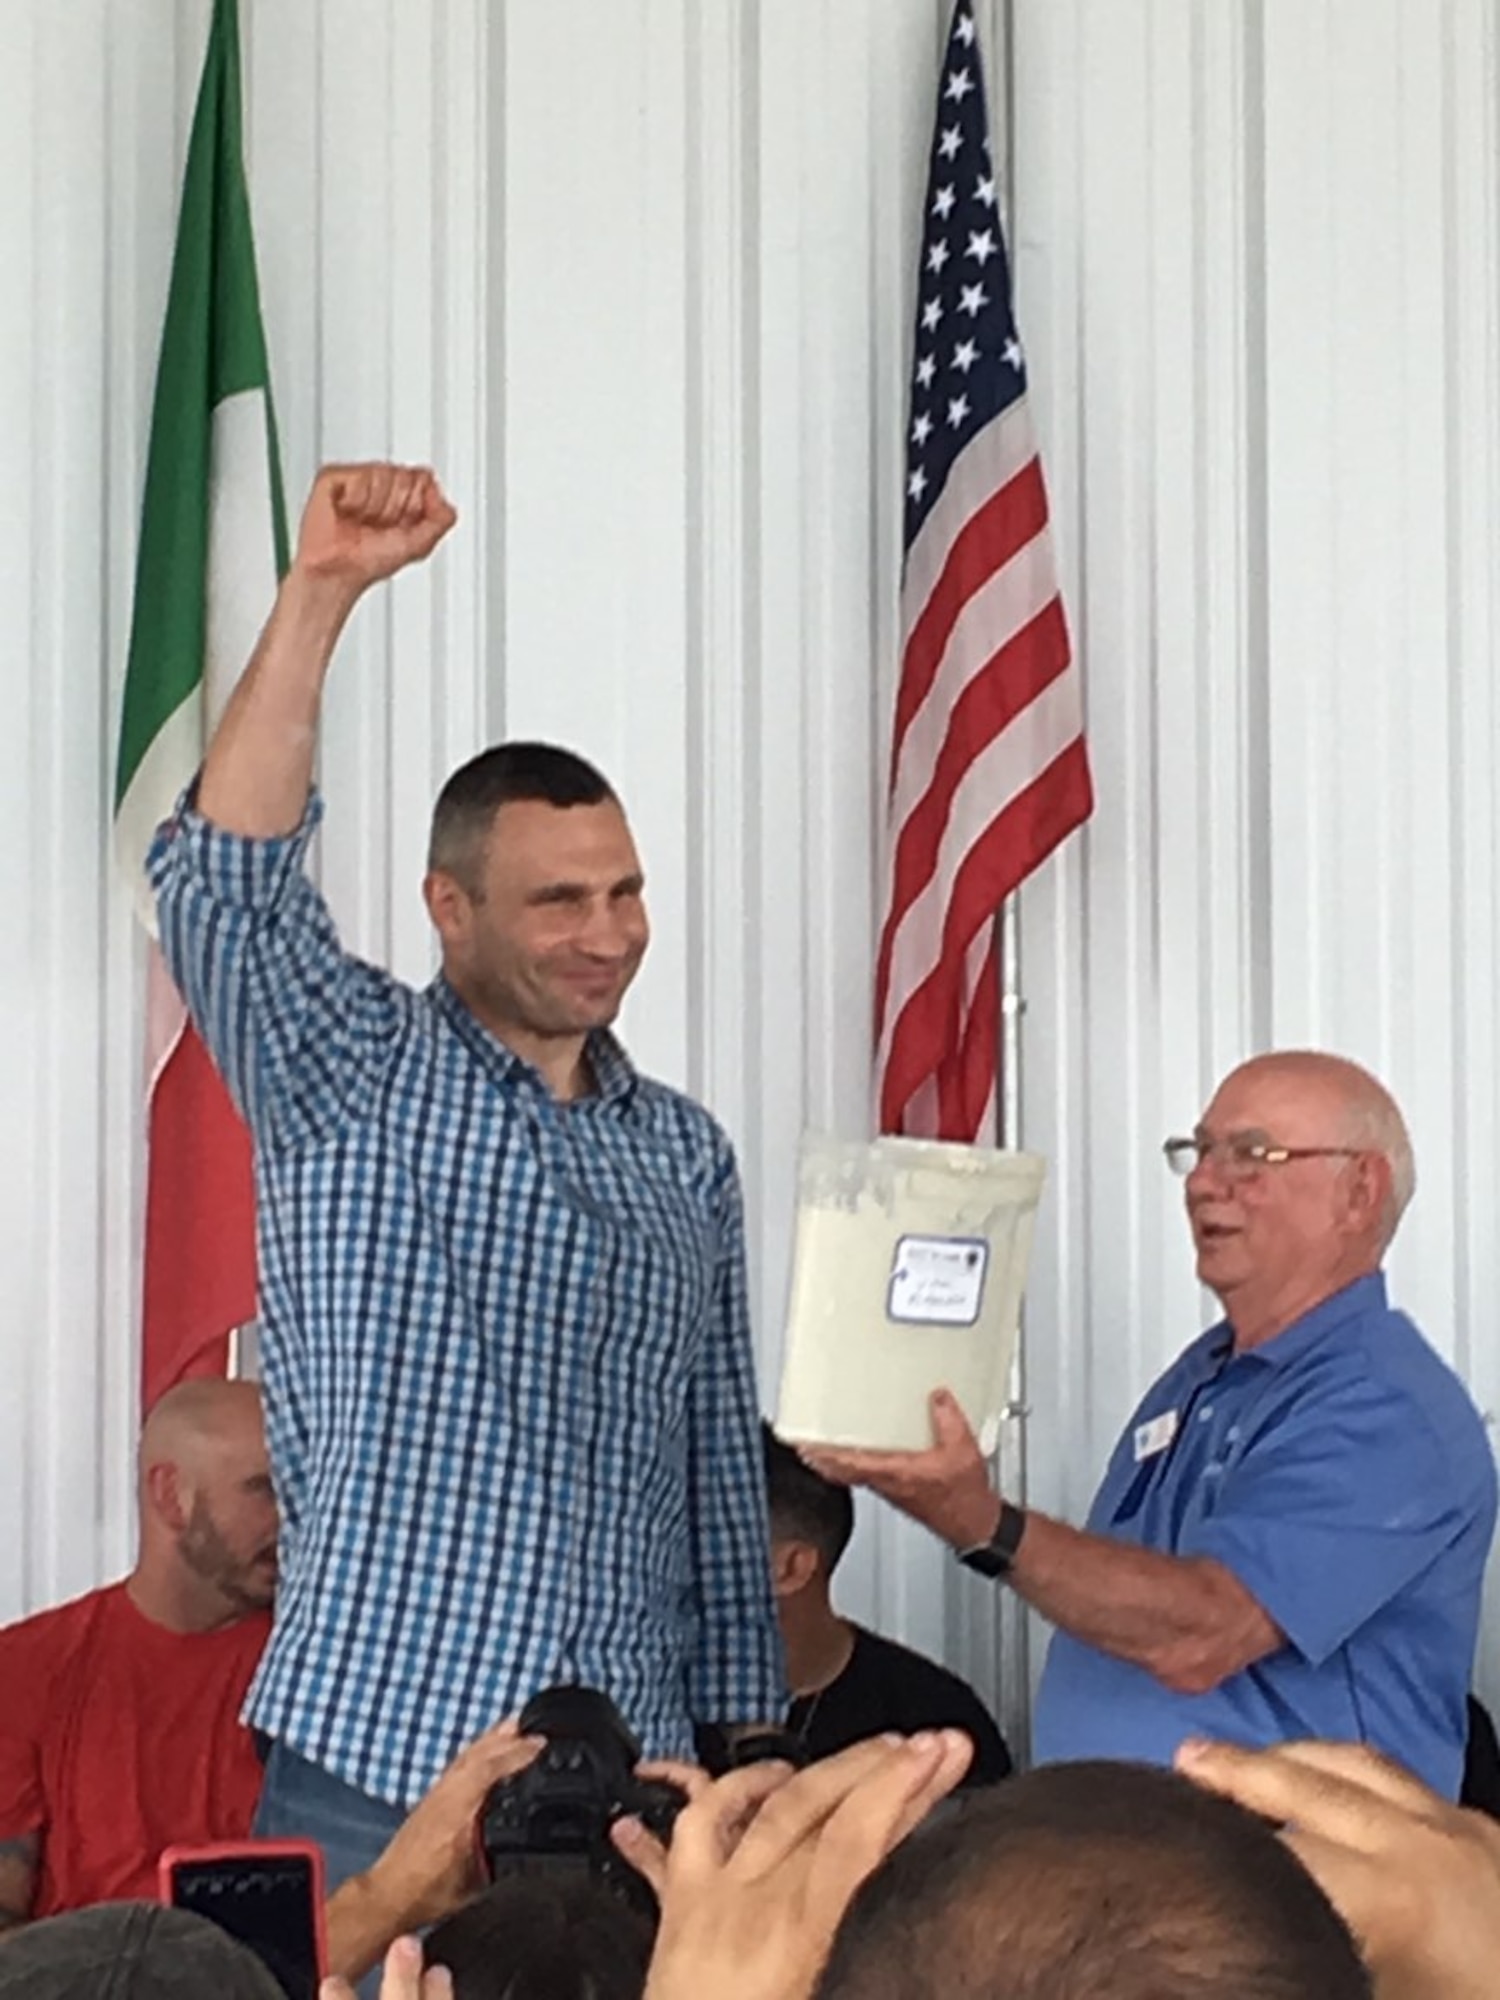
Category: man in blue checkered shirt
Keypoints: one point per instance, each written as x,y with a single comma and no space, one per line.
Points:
506,1351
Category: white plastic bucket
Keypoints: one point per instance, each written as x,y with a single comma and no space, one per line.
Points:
908,1267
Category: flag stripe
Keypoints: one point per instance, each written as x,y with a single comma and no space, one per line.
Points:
995,698
1000,777
988,766
999,533
1050,806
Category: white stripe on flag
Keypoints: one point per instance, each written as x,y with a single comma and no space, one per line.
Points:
240,588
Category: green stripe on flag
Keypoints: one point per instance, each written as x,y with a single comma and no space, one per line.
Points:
213,346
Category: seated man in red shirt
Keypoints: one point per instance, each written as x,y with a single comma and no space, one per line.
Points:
119,1712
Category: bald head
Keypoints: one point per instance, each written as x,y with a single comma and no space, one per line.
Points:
1362,1115
208,1508
198,1420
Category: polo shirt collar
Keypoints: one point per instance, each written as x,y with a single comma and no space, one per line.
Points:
615,1076
1366,1295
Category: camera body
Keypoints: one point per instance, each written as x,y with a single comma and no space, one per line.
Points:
557,1813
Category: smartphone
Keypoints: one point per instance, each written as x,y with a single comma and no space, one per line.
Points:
266,1893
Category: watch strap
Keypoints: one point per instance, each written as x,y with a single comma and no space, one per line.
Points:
997,1556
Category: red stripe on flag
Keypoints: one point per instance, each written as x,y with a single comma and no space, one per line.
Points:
966,1081
1002,689
988,540
200,1270
928,1033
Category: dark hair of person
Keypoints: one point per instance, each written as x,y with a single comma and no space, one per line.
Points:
501,776
804,1506
545,1936
1085,1879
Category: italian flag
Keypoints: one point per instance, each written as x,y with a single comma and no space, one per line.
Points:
213,543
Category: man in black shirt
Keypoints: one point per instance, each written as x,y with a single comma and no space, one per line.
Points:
850,1684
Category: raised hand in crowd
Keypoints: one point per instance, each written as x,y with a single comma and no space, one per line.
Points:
764,1861
430,1866
401,1979
1417,1880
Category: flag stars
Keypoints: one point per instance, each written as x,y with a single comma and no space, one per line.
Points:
942,202
972,300
950,139
959,84
963,27
921,430
958,409
926,369
937,257
1013,354
932,315
984,190
981,246
916,484
965,355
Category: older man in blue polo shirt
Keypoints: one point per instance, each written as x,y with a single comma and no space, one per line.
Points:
1291,1535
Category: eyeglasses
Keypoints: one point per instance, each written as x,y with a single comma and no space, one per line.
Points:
1240,1155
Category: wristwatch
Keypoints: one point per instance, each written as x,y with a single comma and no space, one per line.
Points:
997,1556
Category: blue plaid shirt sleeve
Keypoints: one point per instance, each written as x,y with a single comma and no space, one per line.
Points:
737,1673
297,1028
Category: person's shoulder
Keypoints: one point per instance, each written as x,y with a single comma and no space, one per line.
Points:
923,1694
1374,1375
1399,1356
46,1642
896,1664
682,1120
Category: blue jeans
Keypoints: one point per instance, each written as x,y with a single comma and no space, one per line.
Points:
301,1801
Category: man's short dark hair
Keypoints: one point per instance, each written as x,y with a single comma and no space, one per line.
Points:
1094,1878
545,1936
804,1506
501,776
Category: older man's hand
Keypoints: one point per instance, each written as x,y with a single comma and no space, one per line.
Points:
947,1487
1416,1879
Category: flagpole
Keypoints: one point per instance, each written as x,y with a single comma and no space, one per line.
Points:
1013,1620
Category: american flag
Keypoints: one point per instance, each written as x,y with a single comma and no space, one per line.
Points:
988,765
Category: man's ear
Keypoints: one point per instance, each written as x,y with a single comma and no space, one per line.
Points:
165,1496
1369,1190
448,905
793,1567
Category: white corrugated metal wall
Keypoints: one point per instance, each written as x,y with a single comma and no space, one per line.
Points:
636,276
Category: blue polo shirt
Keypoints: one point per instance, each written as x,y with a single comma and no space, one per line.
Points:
1344,1476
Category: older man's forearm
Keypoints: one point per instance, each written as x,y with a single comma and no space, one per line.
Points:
1187,1620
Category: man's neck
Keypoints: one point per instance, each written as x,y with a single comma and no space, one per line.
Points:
560,1060
178,1601
1255,1320
819,1645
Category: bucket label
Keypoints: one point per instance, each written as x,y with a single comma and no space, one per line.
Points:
937,1280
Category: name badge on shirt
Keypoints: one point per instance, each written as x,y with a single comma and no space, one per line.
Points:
1153,1438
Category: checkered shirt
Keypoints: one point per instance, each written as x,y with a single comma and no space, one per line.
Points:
505,1350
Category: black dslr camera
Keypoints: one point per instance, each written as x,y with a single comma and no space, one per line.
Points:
557,1813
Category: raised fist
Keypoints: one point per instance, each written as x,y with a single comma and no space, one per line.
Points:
364,522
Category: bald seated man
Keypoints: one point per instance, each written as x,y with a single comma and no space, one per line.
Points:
1291,1535
119,1712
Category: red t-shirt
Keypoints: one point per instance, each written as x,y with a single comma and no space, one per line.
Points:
119,1738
